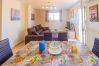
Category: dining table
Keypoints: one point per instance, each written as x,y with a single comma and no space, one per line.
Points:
72,54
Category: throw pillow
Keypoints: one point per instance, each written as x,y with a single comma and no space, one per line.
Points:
33,31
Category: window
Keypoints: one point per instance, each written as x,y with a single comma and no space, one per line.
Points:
54,16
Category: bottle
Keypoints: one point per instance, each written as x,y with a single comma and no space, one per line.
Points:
74,49
55,35
42,46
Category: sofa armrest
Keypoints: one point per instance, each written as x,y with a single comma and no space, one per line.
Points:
29,31
29,38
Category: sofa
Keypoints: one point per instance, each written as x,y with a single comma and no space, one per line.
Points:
36,33
62,36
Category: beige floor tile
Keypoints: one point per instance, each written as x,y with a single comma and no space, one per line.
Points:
18,47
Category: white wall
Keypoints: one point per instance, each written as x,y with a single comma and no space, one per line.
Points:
92,27
14,30
40,19
0,17
30,22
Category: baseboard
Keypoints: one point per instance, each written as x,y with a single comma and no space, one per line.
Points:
17,44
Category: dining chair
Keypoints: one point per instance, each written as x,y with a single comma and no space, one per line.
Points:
48,36
62,36
5,50
95,49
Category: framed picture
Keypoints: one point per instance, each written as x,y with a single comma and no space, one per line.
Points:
32,16
15,14
93,13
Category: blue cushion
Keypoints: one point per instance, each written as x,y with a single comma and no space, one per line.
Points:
5,51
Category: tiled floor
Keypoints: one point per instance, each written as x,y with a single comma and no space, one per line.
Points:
18,47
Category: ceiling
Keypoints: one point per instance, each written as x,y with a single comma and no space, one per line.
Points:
59,4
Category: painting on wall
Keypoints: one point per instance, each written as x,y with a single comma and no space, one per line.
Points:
93,13
32,16
15,14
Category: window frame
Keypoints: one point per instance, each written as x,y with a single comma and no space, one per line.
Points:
53,11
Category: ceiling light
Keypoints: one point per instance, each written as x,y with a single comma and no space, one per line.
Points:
51,7
43,7
47,7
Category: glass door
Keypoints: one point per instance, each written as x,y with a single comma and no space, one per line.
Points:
82,23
